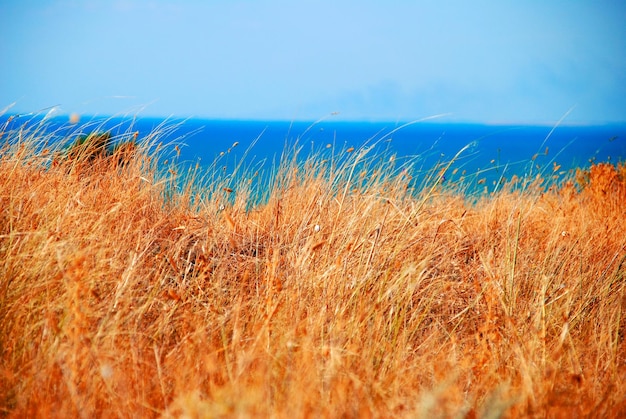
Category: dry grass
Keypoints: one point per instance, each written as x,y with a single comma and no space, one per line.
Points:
344,295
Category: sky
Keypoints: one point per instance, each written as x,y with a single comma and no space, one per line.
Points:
498,61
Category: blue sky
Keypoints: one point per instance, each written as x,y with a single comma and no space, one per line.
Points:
481,61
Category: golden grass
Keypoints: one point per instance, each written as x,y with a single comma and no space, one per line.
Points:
338,297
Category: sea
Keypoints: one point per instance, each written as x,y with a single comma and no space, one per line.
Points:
484,157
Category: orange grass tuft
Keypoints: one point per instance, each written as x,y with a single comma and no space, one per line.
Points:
123,296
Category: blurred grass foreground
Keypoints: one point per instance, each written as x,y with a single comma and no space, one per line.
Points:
345,293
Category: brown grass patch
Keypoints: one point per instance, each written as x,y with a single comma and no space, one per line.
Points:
121,297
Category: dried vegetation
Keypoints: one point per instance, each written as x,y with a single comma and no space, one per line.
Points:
123,296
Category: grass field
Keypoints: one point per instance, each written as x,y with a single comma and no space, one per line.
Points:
345,294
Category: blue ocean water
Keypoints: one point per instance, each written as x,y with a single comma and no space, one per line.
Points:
491,153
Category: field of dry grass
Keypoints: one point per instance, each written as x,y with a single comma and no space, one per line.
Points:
345,294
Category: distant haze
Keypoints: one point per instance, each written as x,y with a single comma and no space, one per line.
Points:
481,61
